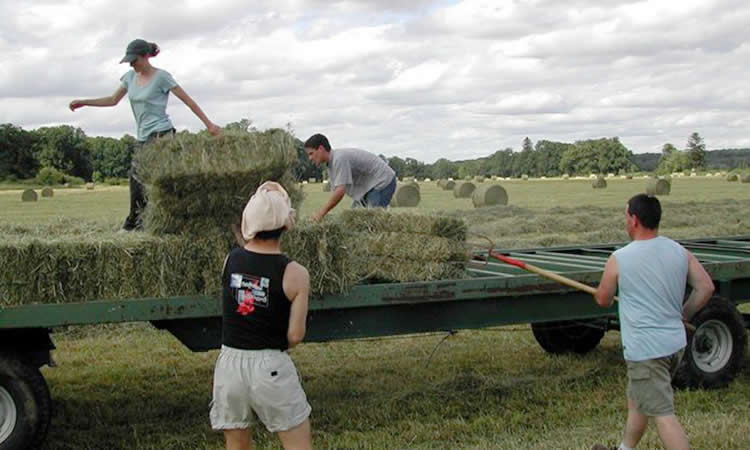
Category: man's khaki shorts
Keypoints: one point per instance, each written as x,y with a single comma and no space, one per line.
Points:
650,384
263,381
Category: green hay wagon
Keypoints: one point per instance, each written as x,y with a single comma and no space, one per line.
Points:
562,320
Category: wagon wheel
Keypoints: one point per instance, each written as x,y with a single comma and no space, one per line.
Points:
25,405
568,336
716,351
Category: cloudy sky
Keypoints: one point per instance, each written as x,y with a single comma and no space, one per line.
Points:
417,78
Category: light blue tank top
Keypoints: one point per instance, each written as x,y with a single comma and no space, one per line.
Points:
149,102
652,275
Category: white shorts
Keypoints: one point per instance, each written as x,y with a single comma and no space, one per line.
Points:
260,381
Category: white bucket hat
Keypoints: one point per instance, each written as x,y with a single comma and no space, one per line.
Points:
268,209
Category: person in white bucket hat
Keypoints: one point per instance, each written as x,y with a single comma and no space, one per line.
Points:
265,301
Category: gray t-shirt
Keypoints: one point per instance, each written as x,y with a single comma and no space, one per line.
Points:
149,102
359,171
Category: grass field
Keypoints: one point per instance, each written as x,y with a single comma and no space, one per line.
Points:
131,386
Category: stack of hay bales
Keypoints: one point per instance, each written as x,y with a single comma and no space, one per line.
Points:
489,195
70,263
658,187
463,189
599,183
447,185
199,184
29,195
732,177
48,192
407,195
403,247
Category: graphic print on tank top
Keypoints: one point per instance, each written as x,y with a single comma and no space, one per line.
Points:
250,291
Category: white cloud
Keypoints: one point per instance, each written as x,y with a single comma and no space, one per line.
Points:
424,79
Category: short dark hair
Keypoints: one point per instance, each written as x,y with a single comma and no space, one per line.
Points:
316,140
647,209
270,235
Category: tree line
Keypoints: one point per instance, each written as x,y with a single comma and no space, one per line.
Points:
66,150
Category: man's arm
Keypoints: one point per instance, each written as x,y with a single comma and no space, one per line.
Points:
336,195
703,287
605,293
296,286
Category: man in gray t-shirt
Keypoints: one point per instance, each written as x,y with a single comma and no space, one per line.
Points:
363,176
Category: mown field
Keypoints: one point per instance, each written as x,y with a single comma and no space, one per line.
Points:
131,386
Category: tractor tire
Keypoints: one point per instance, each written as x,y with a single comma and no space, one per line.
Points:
569,336
25,405
715,352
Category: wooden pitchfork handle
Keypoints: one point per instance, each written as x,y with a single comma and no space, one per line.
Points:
560,279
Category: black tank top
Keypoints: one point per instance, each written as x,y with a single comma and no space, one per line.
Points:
255,308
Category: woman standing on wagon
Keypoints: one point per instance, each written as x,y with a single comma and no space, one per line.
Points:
148,89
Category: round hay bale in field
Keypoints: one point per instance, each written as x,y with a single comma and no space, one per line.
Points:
90,186
658,187
448,185
479,179
326,186
406,196
745,178
732,177
488,195
565,176
628,177
66,185
463,189
524,177
599,183
29,195
48,192
312,180
415,184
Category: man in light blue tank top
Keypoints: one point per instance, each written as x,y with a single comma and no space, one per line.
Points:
651,273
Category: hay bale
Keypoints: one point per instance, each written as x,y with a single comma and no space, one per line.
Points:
745,178
312,180
565,176
199,184
29,195
406,196
48,192
447,185
524,177
479,179
90,186
106,265
326,186
599,183
488,195
658,187
378,220
628,177
732,177
463,189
